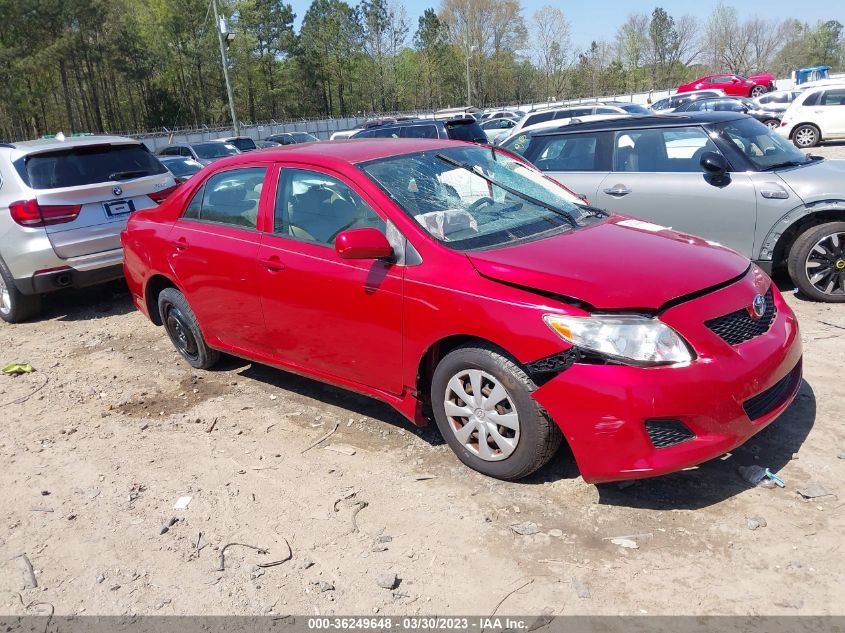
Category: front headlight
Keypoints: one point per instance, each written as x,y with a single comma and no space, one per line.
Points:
629,338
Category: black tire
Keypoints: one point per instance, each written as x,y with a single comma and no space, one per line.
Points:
538,438
772,124
184,331
800,256
806,135
14,305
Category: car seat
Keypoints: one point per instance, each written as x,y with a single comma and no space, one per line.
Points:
649,152
231,206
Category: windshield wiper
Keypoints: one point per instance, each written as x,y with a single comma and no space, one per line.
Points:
455,163
129,174
788,163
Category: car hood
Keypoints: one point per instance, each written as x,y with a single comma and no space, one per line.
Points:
620,263
823,180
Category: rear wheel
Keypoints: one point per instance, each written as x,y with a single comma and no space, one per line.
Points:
14,305
184,331
817,262
757,91
806,136
483,407
772,124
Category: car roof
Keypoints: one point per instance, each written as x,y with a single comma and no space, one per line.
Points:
407,122
352,151
24,148
639,121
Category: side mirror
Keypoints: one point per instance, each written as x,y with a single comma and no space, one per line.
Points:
713,163
366,243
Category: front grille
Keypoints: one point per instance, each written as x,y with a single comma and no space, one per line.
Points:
738,327
764,403
665,433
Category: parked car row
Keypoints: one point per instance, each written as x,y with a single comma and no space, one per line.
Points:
481,270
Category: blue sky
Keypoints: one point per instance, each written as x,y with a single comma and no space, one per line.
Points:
597,20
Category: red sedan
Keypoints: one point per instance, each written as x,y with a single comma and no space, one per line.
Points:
734,85
456,281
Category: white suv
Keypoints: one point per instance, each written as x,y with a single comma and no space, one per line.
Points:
63,203
818,114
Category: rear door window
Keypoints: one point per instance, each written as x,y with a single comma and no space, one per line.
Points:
229,197
87,165
570,152
833,97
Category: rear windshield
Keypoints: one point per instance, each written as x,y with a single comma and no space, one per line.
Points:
215,150
465,131
87,165
183,167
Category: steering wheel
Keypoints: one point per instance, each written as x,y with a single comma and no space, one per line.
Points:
303,234
334,235
485,201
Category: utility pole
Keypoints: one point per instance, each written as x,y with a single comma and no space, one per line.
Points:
470,50
235,124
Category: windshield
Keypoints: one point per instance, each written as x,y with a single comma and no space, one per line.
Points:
474,197
183,166
215,150
88,165
765,149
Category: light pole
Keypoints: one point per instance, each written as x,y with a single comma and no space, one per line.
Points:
221,27
470,50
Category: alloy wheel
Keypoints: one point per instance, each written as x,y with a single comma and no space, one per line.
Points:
756,91
181,334
773,124
805,137
482,415
5,297
825,265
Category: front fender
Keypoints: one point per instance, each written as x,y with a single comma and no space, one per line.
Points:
791,219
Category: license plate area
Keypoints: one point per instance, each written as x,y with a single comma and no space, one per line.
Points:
118,208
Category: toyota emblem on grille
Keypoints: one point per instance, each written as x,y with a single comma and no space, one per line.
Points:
758,306
117,190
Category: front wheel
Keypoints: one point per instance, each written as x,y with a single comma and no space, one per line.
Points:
757,91
483,407
772,124
817,262
806,136
184,330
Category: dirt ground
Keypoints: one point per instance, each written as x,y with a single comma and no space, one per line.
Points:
99,443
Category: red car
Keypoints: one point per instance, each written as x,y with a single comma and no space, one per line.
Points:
457,281
734,85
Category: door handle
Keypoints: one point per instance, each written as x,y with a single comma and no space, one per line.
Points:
617,191
181,244
273,263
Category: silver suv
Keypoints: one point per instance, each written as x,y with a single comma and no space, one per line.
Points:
63,203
